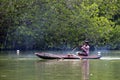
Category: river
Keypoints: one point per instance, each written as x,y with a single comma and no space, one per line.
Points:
26,66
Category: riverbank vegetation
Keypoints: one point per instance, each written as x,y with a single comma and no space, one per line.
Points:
44,24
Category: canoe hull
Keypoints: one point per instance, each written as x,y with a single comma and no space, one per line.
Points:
65,56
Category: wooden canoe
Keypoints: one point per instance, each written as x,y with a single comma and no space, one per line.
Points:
65,56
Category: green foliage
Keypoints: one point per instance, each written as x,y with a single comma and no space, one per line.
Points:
30,24
115,37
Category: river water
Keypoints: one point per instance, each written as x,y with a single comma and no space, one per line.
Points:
27,66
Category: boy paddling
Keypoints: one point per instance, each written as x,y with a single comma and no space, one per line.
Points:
85,49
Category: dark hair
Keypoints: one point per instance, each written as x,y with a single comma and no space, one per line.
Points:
86,42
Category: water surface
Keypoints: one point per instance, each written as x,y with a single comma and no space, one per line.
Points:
27,66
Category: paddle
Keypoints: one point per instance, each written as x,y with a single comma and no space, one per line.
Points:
76,52
80,57
73,49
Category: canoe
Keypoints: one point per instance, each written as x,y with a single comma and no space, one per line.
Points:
65,56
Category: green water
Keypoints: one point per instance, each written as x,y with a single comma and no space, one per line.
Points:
29,67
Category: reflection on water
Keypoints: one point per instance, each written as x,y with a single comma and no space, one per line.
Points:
63,69
29,67
85,69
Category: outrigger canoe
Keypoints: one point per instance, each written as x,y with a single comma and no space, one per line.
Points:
65,56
